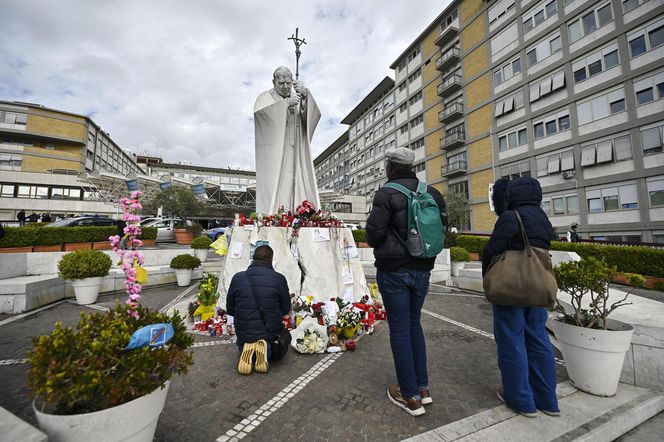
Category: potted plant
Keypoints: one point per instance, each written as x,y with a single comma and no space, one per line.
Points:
184,266
108,376
348,322
201,245
593,346
458,256
86,270
207,297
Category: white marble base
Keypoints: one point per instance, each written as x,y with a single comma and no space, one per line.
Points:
14,428
323,261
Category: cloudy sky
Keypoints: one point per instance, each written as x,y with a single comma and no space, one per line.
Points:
178,79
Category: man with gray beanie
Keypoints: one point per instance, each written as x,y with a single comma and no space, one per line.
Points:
403,280
257,299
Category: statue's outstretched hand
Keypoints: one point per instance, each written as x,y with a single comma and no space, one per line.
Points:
301,90
294,101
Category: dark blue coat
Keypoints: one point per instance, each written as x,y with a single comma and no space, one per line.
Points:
523,194
271,290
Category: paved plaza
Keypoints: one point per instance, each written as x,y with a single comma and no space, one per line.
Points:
316,397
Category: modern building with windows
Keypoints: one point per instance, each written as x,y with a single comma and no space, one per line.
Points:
568,91
42,152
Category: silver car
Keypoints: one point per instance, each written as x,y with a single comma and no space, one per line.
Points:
165,228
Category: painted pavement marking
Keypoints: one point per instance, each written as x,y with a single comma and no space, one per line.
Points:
252,422
13,361
93,306
178,298
31,312
210,343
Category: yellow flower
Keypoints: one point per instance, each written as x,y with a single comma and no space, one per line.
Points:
310,299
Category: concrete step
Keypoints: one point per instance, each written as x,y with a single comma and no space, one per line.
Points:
583,418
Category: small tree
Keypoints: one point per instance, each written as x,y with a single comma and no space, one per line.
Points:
458,209
176,201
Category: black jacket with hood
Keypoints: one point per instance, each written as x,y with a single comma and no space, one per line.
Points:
389,215
523,194
271,290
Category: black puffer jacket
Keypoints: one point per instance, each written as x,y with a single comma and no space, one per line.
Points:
273,296
524,194
389,215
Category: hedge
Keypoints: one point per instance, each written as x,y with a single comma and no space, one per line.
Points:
359,235
641,260
48,236
148,233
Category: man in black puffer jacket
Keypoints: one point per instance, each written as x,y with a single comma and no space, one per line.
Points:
525,356
271,290
403,281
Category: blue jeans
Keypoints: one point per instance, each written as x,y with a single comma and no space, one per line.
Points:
525,357
403,294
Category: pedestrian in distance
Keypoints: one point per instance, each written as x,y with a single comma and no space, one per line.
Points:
20,216
572,236
403,279
525,355
33,218
258,299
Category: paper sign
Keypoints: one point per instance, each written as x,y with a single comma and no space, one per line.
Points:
248,227
236,250
229,320
347,277
331,308
349,252
321,235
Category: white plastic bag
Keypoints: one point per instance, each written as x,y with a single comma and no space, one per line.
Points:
309,324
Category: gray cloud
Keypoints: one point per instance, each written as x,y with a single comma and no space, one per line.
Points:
180,78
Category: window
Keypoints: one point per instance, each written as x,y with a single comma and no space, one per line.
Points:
7,190
622,197
651,139
647,38
510,103
616,148
414,54
556,163
417,120
32,192
656,192
515,170
552,124
601,106
417,144
588,23
505,38
628,5
415,98
512,139
507,71
499,9
403,129
389,101
561,205
403,86
414,76
538,14
543,49
649,89
547,85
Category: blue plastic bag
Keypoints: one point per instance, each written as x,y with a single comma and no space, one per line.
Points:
153,335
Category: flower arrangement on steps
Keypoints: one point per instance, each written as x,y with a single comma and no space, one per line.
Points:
593,346
203,308
106,378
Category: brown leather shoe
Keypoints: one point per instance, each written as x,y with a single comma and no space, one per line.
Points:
411,406
426,396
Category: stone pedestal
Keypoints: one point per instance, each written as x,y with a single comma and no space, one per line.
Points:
324,261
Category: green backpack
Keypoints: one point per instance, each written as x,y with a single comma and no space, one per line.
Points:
425,228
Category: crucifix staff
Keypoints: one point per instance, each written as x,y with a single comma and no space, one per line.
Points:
298,42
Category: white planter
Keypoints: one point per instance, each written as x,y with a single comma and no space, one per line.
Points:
183,276
201,254
456,266
135,421
594,358
87,289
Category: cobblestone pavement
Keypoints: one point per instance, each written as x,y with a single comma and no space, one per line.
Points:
317,397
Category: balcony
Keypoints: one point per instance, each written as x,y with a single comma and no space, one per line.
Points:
453,139
448,34
448,59
451,112
454,168
450,84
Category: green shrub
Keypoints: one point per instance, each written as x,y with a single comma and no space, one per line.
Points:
658,285
641,260
474,244
201,242
450,240
148,233
85,369
48,236
359,235
185,262
459,254
19,237
84,264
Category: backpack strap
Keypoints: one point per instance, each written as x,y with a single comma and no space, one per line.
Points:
422,187
399,187
408,193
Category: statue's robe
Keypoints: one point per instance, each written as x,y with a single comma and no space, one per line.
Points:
284,167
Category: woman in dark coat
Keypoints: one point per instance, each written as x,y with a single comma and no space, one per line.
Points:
525,355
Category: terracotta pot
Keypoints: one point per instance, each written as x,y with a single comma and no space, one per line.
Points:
25,249
474,256
362,245
77,246
149,242
101,245
183,236
54,248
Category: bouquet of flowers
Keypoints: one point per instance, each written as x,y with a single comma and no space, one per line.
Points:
348,317
311,342
305,210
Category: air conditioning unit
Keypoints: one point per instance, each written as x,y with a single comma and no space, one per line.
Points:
569,174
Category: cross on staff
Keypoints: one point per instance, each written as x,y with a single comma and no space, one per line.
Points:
298,42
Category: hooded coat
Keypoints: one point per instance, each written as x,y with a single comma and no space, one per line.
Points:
523,194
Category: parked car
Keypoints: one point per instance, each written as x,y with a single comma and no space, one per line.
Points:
81,221
352,226
165,228
215,232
